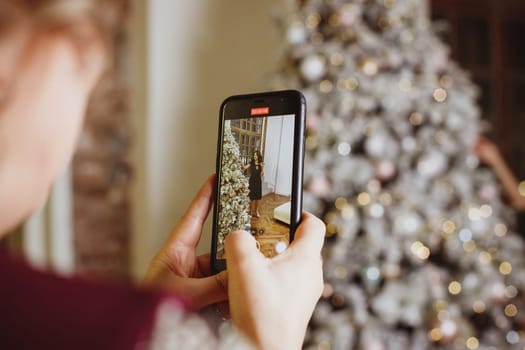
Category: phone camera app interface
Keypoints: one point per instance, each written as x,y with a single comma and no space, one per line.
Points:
255,183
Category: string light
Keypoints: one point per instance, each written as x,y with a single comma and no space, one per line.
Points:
511,310
440,95
505,268
472,343
500,230
326,86
485,257
363,199
415,118
454,288
435,334
478,306
336,59
312,21
370,67
449,227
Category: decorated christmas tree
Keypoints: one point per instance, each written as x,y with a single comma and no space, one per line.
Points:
233,197
420,252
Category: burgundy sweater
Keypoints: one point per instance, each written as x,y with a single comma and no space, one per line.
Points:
39,310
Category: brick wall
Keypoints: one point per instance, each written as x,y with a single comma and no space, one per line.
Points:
102,173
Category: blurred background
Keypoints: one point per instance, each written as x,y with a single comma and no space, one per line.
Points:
422,250
150,137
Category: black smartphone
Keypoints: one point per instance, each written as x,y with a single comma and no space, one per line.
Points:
258,188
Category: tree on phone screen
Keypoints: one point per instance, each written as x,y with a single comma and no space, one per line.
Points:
233,196
420,253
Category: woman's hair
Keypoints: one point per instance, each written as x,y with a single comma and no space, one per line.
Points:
70,16
83,21
259,157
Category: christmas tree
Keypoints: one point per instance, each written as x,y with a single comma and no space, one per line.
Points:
233,197
419,253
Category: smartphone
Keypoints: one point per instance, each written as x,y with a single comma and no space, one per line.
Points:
260,156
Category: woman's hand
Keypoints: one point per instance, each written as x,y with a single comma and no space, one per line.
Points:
272,300
487,151
176,267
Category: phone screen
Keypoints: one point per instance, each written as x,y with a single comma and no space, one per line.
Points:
255,180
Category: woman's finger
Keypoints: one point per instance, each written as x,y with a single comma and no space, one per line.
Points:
202,292
309,237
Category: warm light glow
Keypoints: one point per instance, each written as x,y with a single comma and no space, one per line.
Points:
478,306
336,59
511,310
363,199
340,203
313,20
415,119
511,292
521,188
435,334
385,199
472,343
348,212
485,211
469,246
440,305
500,230
440,95
474,214
446,81
331,229
333,20
505,268
454,288
326,86
351,83
311,142
370,67
485,257
449,227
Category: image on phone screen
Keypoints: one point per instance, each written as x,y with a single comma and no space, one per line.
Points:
255,181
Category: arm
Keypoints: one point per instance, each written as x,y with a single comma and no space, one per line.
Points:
489,154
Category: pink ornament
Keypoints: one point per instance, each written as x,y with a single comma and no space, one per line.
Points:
319,186
385,169
312,121
375,345
487,192
349,15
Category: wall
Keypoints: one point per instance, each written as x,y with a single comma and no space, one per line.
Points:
197,53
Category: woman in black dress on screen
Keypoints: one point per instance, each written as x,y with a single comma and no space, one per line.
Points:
256,173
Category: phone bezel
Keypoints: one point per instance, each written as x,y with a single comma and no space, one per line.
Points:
284,102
